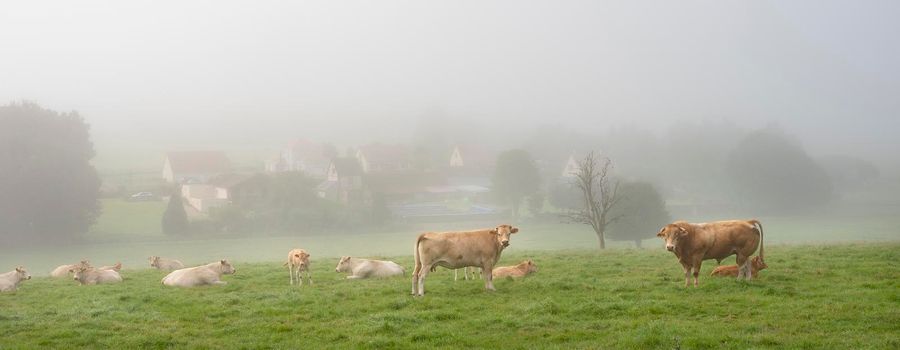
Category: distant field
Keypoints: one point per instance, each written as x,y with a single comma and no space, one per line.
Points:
815,297
122,220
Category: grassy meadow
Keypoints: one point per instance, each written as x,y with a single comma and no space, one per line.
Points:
812,296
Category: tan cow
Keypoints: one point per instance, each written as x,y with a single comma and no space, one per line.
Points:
160,263
117,267
455,250
365,268
9,282
756,264
693,243
201,275
298,261
68,270
90,276
523,269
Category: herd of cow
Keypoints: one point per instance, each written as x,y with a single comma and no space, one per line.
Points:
691,243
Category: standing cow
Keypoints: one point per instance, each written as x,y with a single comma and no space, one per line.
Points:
693,243
298,261
453,250
9,282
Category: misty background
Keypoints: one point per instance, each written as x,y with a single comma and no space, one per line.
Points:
646,83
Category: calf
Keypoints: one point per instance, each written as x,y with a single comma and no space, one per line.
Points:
90,276
160,263
756,264
453,250
693,243
9,282
365,268
298,261
524,268
201,275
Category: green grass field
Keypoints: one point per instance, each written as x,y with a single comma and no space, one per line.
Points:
823,296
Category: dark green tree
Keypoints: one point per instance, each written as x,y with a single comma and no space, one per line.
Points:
515,177
48,188
770,172
175,220
642,211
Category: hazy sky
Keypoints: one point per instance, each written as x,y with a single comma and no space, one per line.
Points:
360,70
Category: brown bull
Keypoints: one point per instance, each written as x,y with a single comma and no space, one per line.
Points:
693,243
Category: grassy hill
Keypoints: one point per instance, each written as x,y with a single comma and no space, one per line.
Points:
830,296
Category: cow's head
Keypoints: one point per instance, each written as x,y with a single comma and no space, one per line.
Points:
154,261
671,233
74,267
530,266
22,274
343,265
226,267
758,263
502,232
79,272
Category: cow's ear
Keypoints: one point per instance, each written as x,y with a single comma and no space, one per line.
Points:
514,230
660,233
223,261
681,231
19,269
494,231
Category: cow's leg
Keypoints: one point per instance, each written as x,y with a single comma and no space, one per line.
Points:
291,271
743,266
422,274
309,276
696,271
488,279
415,278
455,274
687,274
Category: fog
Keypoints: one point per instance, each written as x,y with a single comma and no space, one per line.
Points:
647,83
213,72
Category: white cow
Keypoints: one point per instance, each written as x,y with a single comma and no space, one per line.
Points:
201,275
117,267
90,276
9,282
165,264
365,268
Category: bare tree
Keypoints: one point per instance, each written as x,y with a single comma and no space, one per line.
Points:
598,193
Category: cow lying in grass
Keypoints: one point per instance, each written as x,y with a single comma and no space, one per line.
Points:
68,270
117,267
201,275
9,282
90,276
366,268
160,263
523,269
756,264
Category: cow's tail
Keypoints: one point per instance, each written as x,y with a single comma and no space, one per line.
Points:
761,245
418,261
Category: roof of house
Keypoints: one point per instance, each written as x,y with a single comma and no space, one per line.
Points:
385,153
347,166
202,162
475,156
